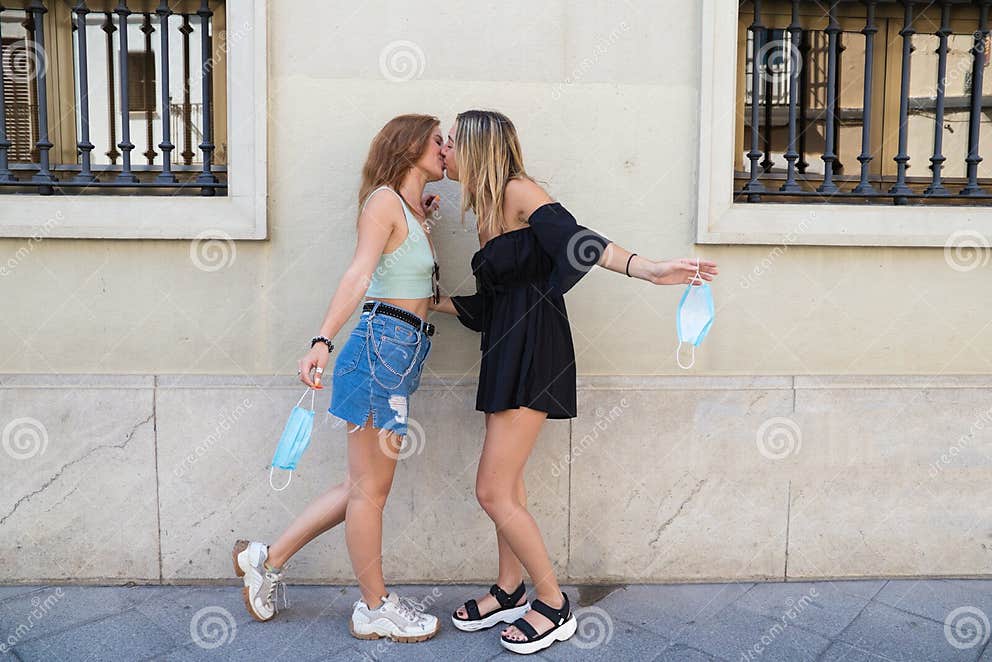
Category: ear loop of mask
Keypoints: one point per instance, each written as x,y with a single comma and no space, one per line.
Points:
273,467
678,348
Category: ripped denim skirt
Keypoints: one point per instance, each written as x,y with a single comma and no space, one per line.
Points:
377,370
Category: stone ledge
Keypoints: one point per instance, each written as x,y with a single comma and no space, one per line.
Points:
449,382
893,381
82,380
684,382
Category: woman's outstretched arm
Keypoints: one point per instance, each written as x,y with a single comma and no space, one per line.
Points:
661,272
525,196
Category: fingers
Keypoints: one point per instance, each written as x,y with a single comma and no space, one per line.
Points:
320,373
707,269
304,371
702,264
306,368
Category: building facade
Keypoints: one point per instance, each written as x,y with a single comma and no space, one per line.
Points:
836,421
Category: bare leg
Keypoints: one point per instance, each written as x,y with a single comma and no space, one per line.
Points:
322,514
511,571
371,469
510,437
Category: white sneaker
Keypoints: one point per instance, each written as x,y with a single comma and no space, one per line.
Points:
394,619
261,584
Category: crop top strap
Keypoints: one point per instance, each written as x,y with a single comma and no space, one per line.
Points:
394,192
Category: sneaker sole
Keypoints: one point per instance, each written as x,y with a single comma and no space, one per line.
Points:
244,594
412,639
240,546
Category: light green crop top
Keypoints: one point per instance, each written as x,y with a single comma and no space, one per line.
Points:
408,272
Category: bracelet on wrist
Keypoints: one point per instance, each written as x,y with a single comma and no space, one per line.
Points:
323,339
627,270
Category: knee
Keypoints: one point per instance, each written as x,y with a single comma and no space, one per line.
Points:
368,491
494,498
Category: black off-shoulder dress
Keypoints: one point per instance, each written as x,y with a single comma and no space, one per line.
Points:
528,359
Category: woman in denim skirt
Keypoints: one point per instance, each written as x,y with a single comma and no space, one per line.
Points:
379,366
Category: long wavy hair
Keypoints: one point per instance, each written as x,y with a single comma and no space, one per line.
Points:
394,150
489,156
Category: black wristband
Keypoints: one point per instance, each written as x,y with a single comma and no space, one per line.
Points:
627,269
323,339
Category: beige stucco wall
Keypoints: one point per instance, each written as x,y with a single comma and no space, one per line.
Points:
605,102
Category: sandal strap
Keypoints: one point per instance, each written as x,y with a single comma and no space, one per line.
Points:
526,628
505,599
472,609
556,616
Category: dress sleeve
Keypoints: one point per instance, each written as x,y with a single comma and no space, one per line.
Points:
574,249
472,310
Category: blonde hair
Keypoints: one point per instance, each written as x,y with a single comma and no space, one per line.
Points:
489,156
394,150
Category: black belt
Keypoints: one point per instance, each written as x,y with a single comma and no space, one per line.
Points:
400,314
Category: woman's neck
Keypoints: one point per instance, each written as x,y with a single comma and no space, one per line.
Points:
412,189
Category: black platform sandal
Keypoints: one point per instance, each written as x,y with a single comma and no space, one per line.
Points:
507,612
564,628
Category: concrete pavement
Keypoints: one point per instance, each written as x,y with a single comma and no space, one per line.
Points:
854,621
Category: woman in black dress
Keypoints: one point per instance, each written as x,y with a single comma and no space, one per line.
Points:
532,252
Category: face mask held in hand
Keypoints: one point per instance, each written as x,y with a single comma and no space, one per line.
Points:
295,439
694,317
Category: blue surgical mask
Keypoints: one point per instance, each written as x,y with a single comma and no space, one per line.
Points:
694,318
294,440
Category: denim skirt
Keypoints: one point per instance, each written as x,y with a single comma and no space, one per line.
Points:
377,370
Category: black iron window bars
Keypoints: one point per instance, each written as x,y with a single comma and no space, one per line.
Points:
792,92
125,99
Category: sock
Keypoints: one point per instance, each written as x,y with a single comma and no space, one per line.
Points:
271,567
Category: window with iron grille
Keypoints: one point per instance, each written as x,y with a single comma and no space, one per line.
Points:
871,101
120,97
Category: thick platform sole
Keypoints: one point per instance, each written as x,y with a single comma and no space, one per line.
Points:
507,616
374,633
562,633
239,547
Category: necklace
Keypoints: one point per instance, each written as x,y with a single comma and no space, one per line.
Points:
435,271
